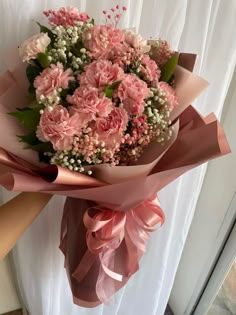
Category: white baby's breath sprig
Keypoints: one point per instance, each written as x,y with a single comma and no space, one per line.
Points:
65,48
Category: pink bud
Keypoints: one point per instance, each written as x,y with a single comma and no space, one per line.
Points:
124,8
108,16
117,16
117,7
112,9
104,12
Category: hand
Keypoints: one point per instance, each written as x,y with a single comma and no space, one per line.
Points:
16,215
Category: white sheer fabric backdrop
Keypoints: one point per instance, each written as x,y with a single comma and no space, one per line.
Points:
203,27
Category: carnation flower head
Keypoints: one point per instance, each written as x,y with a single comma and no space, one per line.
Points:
57,127
111,128
33,46
121,54
132,91
160,51
136,41
90,102
100,74
100,38
150,70
51,79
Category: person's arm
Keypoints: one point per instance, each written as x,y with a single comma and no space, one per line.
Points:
16,215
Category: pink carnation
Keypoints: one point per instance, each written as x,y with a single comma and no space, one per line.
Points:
100,38
133,107
160,52
51,79
40,135
132,91
57,127
121,54
136,41
100,74
89,103
33,46
170,96
111,129
150,70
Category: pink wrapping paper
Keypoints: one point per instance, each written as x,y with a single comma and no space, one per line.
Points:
107,218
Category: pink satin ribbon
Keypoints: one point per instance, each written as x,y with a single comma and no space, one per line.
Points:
106,231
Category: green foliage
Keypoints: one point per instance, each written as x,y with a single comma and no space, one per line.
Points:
51,35
43,59
28,118
30,139
108,91
31,91
169,68
32,72
134,71
41,147
75,49
73,85
33,143
35,106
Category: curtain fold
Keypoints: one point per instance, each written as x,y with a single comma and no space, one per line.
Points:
203,27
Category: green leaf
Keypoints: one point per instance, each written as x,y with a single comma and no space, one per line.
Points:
169,68
114,84
32,72
21,109
31,91
75,49
43,59
108,91
37,64
41,147
92,21
51,35
35,106
30,139
28,118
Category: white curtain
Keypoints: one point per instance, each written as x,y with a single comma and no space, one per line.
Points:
203,27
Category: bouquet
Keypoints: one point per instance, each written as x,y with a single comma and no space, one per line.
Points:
104,118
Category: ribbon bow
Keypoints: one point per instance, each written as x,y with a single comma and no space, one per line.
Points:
118,238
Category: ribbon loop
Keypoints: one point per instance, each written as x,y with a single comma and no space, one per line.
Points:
118,239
